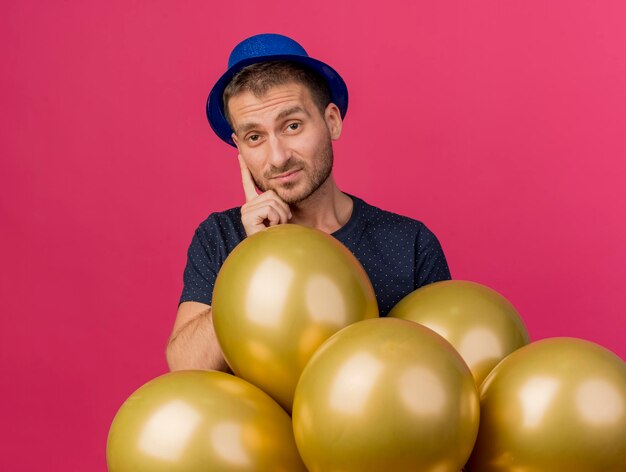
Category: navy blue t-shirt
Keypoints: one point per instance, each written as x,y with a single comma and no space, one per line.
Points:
398,253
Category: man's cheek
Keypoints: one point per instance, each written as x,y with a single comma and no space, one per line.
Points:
259,183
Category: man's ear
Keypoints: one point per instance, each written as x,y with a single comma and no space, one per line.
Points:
234,138
332,117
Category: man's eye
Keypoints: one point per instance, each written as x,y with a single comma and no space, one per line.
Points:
293,126
253,137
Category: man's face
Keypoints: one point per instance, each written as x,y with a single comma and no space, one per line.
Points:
283,132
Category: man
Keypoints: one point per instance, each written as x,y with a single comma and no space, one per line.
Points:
282,109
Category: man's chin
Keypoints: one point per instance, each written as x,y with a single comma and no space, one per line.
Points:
290,196
287,192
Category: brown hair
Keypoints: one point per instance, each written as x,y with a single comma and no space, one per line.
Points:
260,77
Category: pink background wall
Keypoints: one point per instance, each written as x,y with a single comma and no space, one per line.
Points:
499,124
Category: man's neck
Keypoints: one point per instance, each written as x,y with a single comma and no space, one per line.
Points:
328,209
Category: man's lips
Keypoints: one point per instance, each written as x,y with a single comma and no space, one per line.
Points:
286,174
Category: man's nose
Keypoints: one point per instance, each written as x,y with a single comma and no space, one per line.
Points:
279,153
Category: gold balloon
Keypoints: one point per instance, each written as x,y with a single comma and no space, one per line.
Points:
479,322
555,405
190,421
279,295
386,395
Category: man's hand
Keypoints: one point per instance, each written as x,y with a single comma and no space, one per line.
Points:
260,211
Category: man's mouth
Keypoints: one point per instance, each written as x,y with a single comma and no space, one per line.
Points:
286,174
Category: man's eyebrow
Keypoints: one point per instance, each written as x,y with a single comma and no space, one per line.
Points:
291,111
244,128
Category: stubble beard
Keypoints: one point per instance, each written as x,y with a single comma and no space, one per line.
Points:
319,175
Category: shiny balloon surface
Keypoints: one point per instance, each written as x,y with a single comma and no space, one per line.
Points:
279,295
386,395
479,322
192,421
557,404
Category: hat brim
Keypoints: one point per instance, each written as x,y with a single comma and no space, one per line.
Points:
215,106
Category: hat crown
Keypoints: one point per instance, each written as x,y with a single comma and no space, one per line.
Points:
268,47
266,44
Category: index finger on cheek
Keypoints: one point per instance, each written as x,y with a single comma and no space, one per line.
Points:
249,189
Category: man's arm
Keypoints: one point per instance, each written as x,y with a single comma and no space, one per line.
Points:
193,344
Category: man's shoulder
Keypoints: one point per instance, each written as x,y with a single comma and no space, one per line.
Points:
223,216
224,222
380,218
394,228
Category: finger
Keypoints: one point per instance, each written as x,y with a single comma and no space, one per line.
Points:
263,217
283,212
249,189
272,196
273,216
261,210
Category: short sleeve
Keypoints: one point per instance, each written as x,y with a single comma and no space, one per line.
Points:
430,261
200,271
214,239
